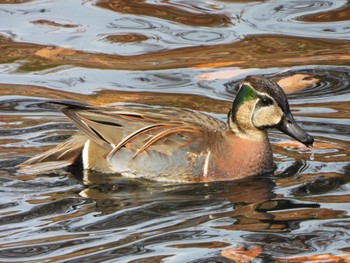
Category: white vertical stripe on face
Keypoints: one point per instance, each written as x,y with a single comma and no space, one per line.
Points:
206,165
86,155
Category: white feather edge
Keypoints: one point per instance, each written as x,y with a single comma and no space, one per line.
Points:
86,149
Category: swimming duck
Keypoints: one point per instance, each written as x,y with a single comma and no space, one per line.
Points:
176,145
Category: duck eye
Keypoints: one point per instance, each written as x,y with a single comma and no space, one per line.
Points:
266,101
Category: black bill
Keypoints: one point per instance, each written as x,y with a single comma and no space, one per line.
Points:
289,126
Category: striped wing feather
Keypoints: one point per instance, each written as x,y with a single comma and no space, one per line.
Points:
113,128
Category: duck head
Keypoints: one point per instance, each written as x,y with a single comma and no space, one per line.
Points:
261,104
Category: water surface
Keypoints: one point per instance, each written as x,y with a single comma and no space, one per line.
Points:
184,54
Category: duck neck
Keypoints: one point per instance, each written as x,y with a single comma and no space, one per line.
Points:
248,134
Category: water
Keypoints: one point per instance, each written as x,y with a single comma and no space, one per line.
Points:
183,54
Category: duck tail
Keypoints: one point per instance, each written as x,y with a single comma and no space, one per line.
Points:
61,156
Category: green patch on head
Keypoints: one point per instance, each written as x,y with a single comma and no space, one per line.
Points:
246,93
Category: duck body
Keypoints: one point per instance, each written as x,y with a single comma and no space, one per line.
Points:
196,158
172,144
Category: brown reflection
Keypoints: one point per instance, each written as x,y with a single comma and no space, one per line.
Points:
126,38
341,258
44,22
310,185
192,101
336,199
155,259
124,193
257,51
341,14
341,109
251,198
14,1
276,215
241,1
175,12
251,218
253,190
214,244
260,209
105,96
307,214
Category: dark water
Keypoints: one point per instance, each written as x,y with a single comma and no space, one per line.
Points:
177,53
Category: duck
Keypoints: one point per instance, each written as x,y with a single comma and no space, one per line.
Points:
172,144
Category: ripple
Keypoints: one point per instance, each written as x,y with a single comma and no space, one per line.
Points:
30,251
23,250
8,68
48,209
133,23
25,105
333,84
146,216
201,36
320,185
288,19
287,11
297,7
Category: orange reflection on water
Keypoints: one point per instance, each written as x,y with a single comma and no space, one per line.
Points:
260,51
172,12
341,14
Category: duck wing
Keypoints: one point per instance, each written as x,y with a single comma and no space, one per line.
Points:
114,127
